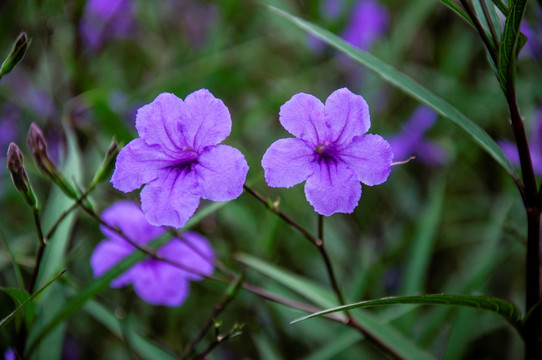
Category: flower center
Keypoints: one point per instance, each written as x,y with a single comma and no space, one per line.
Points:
325,152
186,158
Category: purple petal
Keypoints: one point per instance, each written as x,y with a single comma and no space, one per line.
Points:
511,151
221,173
287,162
129,218
160,284
106,255
369,21
348,115
138,164
205,120
369,156
193,251
171,199
303,117
333,188
421,120
158,123
402,146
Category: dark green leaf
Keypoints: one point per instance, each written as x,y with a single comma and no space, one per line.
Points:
509,45
409,86
18,296
501,307
458,11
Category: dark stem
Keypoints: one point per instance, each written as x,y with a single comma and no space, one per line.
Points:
490,23
39,255
319,243
212,345
219,307
489,45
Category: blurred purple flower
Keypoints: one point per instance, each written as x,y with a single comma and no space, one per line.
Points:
178,158
535,143
410,140
9,354
534,39
330,151
193,19
367,23
156,282
106,19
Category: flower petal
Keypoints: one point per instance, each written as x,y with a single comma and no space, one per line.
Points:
288,162
138,164
192,251
157,123
369,156
106,255
129,218
171,199
303,117
205,120
221,172
333,188
160,284
347,114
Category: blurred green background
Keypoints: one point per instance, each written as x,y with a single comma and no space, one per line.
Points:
456,228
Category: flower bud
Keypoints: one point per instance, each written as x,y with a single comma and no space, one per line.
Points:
16,54
38,146
107,164
19,176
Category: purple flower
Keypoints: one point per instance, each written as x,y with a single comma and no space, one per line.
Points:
410,142
178,158
369,22
9,354
330,151
535,144
104,19
155,281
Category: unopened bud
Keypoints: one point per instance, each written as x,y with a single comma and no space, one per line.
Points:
107,164
16,54
19,176
38,146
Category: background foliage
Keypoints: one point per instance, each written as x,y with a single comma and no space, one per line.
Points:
455,228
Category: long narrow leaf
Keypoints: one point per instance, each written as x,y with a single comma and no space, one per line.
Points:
458,11
305,287
408,85
506,309
509,45
8,318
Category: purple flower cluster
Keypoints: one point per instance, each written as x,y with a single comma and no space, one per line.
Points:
331,151
178,158
156,282
410,140
535,143
106,19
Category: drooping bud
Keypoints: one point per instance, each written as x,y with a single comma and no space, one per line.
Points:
107,164
16,54
38,146
19,176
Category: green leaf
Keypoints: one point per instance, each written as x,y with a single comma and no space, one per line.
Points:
17,296
458,11
506,309
408,85
509,46
501,6
322,297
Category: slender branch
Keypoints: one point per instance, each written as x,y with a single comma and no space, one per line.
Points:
39,255
283,216
490,47
219,307
490,23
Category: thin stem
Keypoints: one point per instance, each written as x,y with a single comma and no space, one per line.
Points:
39,255
490,23
490,47
219,307
318,242
283,216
